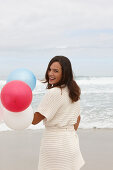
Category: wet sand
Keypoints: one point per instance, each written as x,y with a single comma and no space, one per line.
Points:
19,150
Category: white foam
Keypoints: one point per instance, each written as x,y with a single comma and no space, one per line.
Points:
96,81
96,112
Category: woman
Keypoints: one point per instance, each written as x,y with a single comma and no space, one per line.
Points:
60,110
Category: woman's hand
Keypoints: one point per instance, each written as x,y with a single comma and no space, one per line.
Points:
76,125
37,118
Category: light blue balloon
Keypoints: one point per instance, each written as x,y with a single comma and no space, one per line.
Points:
24,75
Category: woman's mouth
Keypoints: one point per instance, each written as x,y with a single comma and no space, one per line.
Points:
51,78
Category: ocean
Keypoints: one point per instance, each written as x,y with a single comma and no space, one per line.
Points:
96,102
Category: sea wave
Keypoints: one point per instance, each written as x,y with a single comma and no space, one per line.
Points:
96,102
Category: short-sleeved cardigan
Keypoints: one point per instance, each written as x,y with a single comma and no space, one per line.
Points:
59,148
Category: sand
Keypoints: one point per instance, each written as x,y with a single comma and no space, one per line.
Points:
19,150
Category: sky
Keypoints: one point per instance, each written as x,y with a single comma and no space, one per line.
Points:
34,31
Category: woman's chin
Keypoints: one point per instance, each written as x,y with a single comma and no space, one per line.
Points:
51,82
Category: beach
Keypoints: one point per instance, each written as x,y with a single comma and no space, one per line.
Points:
20,149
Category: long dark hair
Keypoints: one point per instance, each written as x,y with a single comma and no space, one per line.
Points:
67,77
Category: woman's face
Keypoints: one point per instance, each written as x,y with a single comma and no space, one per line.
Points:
55,73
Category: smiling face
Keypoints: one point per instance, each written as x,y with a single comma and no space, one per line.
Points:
55,73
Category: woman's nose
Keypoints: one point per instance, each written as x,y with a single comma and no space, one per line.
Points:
50,73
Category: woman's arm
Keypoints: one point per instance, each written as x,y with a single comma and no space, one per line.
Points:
77,124
37,118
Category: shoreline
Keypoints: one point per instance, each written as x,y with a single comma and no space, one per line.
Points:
20,149
35,129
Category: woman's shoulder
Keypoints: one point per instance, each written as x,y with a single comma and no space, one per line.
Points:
58,89
54,90
53,94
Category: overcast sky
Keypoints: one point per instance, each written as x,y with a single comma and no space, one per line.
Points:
33,31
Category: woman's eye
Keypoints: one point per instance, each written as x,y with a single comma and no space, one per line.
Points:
56,71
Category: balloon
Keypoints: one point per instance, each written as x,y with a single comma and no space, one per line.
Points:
1,113
1,110
24,75
16,96
18,121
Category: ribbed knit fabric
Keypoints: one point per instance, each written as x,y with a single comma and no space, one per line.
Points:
59,148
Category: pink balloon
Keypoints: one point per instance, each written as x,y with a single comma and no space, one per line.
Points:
16,96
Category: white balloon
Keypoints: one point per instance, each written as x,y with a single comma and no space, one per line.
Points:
1,111
18,120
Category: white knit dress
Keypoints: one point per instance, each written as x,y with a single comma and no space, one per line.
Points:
59,148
